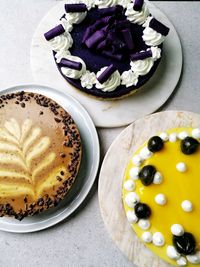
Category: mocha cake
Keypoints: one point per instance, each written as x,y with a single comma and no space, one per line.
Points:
161,195
40,154
107,49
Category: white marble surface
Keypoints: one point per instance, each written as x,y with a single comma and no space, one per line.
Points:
82,240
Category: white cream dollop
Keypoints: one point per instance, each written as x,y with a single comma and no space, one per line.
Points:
142,67
196,133
131,217
88,79
160,199
158,178
72,73
182,135
75,17
187,206
106,3
164,136
129,78
152,37
67,25
172,253
138,17
61,42
158,239
177,229
181,167
137,160
111,84
172,137
145,153
124,3
147,237
144,224
132,199
194,258
129,185
134,172
156,52
61,54
182,261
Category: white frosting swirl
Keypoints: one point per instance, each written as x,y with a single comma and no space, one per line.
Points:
156,52
177,229
67,25
105,3
129,78
71,73
124,3
172,253
138,17
158,239
61,42
111,84
61,54
75,17
142,67
194,258
88,79
129,185
152,37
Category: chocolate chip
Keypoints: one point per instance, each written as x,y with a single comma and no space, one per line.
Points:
23,105
57,120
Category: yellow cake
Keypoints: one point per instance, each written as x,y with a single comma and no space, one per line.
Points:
40,154
161,195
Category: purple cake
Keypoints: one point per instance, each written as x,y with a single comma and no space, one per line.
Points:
107,48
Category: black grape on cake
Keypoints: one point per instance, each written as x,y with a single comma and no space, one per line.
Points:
107,48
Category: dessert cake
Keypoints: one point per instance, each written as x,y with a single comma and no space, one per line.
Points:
40,154
161,195
107,48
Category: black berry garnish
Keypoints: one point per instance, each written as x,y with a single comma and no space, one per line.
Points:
146,174
185,244
142,211
189,145
155,144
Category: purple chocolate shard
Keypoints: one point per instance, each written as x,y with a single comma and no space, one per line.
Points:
102,45
58,30
128,39
95,39
123,24
159,27
106,74
141,55
109,11
72,8
110,54
138,4
70,64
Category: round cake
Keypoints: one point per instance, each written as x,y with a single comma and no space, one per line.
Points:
161,195
107,49
40,154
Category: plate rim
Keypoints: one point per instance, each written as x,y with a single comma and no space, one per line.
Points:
79,198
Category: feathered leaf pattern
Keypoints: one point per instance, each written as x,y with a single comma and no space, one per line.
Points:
20,147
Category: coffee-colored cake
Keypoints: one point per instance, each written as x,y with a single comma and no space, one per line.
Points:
40,154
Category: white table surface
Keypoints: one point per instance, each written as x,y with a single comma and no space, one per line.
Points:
82,240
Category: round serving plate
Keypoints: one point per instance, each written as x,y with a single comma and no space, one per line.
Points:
87,172
113,113
111,177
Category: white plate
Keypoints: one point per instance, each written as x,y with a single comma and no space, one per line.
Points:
87,172
111,113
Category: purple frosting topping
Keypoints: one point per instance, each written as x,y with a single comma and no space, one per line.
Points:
110,35
70,64
109,11
159,27
141,55
72,8
138,4
106,74
128,38
58,30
